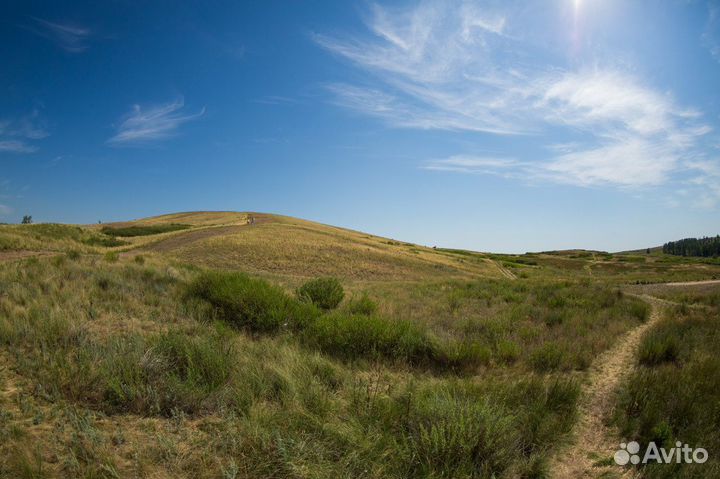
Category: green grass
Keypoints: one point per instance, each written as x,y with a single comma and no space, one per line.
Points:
674,393
53,237
121,366
139,366
325,293
143,230
368,337
249,303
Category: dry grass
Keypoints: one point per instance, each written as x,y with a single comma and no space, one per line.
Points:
295,248
95,383
108,370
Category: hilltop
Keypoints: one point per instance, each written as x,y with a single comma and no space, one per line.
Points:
290,249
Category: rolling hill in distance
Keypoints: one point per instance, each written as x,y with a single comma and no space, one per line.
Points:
242,344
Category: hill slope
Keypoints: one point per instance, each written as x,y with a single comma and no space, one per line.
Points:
280,245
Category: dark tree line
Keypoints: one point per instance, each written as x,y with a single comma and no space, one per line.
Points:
709,246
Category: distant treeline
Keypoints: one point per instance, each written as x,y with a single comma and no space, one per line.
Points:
706,247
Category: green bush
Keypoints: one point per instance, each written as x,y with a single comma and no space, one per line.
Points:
362,305
459,439
508,351
170,372
148,230
325,293
112,256
358,336
658,348
250,303
547,357
106,241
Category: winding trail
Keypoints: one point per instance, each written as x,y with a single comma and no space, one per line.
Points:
504,271
593,443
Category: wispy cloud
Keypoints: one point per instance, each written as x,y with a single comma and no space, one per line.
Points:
711,35
476,165
16,135
145,125
69,37
5,210
276,100
16,146
439,66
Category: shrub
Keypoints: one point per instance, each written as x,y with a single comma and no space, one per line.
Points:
454,300
170,372
459,439
112,256
73,254
139,259
148,230
362,305
249,303
508,351
357,336
325,293
658,347
547,357
106,241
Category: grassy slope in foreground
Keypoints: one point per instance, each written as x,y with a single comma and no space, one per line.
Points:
111,370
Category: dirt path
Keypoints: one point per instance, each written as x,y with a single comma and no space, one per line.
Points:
504,271
593,443
692,283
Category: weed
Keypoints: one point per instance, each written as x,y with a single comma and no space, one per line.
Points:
249,303
325,293
362,305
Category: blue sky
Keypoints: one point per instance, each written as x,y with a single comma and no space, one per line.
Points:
497,126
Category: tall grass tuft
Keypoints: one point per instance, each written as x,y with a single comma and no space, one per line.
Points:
249,303
325,293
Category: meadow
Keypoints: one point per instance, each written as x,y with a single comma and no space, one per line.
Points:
288,349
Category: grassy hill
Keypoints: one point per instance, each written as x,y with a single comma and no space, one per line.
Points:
179,346
294,248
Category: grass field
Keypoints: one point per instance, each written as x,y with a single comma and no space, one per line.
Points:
196,352
674,392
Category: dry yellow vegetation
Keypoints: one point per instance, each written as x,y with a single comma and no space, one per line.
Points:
284,246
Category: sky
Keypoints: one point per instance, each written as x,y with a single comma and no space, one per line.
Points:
495,126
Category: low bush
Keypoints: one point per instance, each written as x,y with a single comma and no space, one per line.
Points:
112,256
659,346
249,303
358,336
130,231
325,293
106,241
362,305
162,374
547,357
508,351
